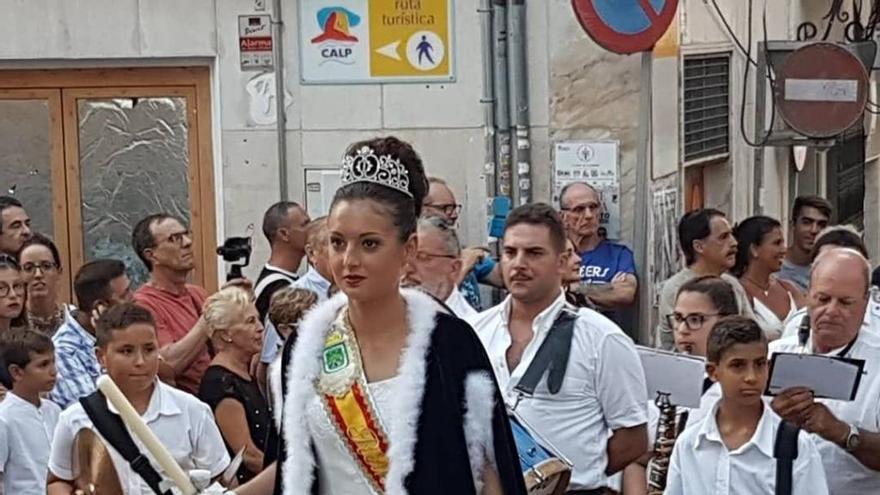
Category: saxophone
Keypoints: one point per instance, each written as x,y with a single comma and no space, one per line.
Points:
667,432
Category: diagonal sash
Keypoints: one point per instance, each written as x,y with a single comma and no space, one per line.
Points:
344,394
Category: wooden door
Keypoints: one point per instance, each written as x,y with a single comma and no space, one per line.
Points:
124,143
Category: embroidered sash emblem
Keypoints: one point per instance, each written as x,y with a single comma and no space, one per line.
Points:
343,390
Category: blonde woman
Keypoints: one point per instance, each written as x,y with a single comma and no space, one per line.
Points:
233,325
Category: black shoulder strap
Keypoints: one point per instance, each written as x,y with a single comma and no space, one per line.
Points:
785,451
553,355
112,429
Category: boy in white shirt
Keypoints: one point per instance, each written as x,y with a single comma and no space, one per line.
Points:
27,422
730,451
128,349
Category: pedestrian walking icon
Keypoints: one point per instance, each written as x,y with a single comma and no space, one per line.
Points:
425,50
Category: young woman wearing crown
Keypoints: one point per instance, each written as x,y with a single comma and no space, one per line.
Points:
385,392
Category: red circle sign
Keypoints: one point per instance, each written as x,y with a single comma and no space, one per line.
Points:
822,90
625,26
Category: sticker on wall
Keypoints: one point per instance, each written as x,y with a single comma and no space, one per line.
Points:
255,42
596,163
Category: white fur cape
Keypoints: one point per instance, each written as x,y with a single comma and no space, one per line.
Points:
305,365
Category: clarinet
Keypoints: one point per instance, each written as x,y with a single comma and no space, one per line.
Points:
667,433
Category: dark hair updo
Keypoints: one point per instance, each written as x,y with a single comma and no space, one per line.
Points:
403,210
750,232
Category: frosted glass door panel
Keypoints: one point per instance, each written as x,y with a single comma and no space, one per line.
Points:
134,160
25,158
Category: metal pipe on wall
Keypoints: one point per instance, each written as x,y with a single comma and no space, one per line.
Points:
642,332
280,113
519,98
503,173
487,99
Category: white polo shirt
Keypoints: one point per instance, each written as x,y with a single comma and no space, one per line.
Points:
459,305
183,424
603,389
25,441
702,464
846,475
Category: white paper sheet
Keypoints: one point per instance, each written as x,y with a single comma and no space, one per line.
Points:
679,375
828,377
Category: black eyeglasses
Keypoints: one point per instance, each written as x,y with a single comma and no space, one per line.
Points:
44,266
448,209
425,256
18,288
693,321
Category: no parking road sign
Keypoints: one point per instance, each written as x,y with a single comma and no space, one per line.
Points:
625,26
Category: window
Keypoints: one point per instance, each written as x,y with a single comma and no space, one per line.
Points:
706,107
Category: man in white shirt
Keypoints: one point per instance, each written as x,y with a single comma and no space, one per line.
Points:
706,239
841,236
847,433
437,264
27,422
597,418
318,277
128,349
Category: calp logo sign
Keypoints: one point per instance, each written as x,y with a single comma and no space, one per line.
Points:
336,41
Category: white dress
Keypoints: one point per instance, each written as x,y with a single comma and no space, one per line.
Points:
333,457
767,319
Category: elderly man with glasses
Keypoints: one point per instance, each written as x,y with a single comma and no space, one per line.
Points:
437,264
477,266
608,270
165,245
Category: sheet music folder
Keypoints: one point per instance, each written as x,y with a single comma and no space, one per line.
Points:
829,377
679,375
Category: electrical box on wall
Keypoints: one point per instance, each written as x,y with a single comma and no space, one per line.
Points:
321,185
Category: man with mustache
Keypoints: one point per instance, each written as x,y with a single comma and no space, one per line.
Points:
597,416
809,216
709,248
847,433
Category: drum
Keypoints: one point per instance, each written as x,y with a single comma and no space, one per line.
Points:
546,472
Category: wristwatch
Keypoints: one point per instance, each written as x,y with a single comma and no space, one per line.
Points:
852,441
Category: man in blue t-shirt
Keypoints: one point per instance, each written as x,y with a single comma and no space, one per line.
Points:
608,271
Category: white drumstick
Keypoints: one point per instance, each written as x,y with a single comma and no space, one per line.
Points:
136,424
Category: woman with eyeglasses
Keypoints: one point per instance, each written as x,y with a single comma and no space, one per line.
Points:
699,305
12,300
759,255
41,270
13,293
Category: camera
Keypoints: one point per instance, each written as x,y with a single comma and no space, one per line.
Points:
234,250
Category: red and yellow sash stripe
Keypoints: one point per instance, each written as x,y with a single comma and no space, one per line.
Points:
362,433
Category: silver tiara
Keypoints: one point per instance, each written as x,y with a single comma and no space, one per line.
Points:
384,170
